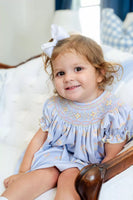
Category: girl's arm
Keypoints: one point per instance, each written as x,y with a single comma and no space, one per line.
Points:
111,150
34,145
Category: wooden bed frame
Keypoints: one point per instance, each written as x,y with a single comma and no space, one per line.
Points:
89,181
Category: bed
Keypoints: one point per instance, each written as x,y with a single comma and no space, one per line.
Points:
23,90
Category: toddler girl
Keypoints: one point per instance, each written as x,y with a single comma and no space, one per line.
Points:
82,123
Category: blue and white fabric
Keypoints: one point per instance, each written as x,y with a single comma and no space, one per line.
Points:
114,34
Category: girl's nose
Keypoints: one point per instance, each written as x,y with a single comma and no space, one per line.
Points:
68,77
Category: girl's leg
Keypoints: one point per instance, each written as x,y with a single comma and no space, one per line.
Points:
65,185
32,184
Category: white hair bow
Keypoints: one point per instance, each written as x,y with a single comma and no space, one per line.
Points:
58,33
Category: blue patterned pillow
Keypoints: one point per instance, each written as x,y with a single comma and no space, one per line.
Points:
113,32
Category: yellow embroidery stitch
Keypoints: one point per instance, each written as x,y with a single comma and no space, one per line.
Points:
83,148
59,142
77,115
84,133
109,102
65,109
46,155
93,114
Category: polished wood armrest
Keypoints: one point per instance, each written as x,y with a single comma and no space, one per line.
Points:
89,181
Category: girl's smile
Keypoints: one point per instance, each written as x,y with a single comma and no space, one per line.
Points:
72,87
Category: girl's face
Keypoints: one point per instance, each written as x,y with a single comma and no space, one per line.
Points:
75,78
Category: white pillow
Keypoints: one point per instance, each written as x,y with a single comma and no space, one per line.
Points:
24,90
124,91
128,20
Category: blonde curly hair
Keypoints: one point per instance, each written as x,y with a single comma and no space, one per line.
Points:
92,52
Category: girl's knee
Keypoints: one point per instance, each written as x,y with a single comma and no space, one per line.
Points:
65,187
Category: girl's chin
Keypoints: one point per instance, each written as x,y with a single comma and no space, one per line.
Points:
73,98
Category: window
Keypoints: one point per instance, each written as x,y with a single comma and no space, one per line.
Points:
89,14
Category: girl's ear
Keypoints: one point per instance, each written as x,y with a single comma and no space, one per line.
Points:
101,74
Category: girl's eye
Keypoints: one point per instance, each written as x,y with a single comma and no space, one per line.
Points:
77,69
60,73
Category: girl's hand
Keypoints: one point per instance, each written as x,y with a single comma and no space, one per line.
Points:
11,179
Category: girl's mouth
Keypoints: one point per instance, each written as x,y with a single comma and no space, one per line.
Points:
72,87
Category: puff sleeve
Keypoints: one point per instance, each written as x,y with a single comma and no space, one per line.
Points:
117,126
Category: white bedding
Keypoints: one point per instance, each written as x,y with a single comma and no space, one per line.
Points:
22,93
